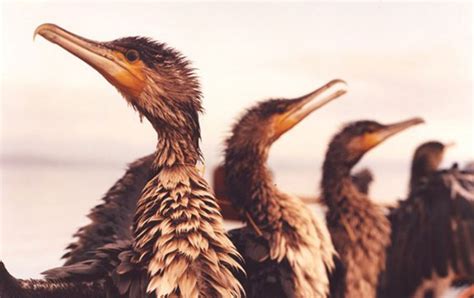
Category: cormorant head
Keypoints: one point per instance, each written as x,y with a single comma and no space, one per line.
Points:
357,138
264,123
362,180
154,78
426,160
429,155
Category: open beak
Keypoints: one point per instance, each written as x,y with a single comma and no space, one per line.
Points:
110,62
307,104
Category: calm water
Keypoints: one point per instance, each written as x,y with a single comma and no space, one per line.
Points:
43,204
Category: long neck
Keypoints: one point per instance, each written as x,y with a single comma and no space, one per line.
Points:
284,221
250,183
336,173
178,230
173,164
177,127
176,149
421,168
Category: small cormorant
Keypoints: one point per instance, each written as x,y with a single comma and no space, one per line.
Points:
359,228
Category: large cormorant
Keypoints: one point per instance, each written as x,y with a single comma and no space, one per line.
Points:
359,228
180,246
287,250
432,230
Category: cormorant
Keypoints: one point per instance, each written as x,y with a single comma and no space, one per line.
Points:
180,246
359,228
287,250
432,230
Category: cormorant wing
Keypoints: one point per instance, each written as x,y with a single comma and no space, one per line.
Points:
114,264
10,287
432,232
112,219
262,272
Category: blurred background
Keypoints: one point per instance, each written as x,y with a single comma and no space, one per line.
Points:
67,135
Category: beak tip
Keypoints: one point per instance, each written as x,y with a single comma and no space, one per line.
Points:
37,31
339,81
341,84
41,29
419,120
338,86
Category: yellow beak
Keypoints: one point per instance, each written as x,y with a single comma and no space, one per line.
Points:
111,63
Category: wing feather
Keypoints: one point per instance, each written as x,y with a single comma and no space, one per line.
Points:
432,233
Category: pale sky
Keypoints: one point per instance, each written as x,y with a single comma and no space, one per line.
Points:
400,60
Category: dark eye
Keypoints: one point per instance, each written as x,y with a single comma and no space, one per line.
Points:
131,55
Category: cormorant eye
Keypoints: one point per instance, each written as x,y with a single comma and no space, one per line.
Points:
132,55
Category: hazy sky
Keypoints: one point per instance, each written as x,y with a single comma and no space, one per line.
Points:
400,60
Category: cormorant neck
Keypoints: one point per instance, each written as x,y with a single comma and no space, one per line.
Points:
250,182
336,173
420,170
174,148
178,134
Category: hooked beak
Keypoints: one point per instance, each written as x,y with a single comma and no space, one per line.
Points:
307,104
110,62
